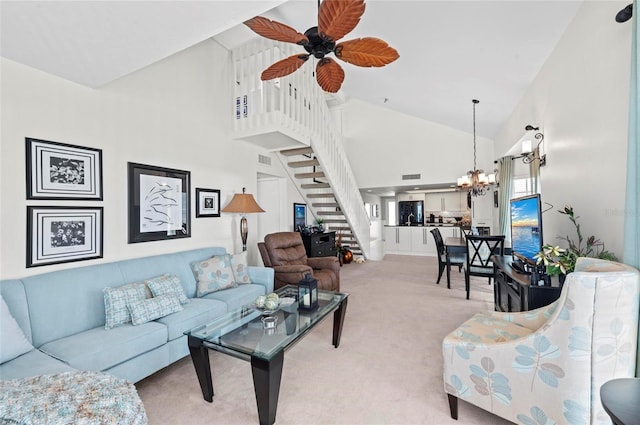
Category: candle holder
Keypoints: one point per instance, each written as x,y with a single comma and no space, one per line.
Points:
308,293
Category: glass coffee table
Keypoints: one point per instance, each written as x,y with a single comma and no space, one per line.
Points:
243,333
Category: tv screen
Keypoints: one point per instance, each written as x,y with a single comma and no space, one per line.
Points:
526,227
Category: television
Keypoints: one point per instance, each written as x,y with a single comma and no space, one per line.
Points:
526,231
299,216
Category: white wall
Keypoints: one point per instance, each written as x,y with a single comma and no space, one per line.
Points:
383,145
176,113
581,98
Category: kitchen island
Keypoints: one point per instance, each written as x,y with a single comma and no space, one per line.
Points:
416,239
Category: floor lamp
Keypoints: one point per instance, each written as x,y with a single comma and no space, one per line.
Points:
243,204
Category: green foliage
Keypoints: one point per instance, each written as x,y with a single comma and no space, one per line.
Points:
562,261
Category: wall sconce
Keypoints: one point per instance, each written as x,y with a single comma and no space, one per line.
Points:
528,154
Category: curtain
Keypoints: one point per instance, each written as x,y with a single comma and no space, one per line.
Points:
631,254
534,171
505,182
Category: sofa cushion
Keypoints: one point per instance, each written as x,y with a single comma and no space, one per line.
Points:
117,300
143,311
196,313
13,343
167,284
240,266
239,296
99,349
32,363
213,274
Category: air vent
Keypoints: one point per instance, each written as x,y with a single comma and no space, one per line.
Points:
263,159
411,177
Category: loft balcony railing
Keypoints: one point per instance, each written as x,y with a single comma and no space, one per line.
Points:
292,112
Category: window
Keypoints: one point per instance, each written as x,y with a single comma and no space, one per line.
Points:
522,186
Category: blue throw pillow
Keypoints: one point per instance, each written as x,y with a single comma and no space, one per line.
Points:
167,284
117,299
143,311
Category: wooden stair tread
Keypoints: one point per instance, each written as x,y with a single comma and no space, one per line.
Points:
309,175
324,204
318,195
315,186
306,163
297,151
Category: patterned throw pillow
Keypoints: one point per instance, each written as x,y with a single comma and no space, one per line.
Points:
214,274
117,299
239,267
167,284
143,311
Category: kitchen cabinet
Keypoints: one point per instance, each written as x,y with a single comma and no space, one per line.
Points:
422,241
398,239
445,201
410,197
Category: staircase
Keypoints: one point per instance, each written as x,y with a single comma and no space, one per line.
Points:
305,169
290,115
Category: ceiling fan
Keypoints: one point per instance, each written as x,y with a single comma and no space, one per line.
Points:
336,18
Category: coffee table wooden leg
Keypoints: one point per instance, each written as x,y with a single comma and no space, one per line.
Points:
200,358
266,383
338,321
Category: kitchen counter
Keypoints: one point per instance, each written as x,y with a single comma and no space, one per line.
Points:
416,239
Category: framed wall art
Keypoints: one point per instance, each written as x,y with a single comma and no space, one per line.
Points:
159,203
299,216
61,171
63,234
207,202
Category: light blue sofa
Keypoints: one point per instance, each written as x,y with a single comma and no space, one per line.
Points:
62,314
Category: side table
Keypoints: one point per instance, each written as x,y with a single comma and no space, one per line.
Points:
620,400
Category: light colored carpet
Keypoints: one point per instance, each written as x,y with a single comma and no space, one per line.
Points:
387,370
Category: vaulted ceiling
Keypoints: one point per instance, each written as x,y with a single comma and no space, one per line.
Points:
450,51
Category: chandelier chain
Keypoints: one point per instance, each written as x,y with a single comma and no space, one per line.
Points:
474,135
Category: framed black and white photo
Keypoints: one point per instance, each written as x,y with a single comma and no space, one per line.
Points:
207,202
159,203
61,234
61,171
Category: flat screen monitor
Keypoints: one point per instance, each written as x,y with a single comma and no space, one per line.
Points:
299,216
526,228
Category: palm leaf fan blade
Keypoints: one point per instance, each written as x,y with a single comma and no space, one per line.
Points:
337,18
368,51
276,31
284,67
329,75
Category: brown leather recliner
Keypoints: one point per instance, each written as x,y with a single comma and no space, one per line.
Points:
285,253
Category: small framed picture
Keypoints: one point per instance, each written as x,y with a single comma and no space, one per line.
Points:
207,202
60,171
299,216
60,234
159,203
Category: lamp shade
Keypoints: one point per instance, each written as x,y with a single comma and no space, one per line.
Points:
242,203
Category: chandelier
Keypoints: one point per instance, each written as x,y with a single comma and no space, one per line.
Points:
476,181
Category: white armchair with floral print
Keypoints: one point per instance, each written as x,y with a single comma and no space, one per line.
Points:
546,366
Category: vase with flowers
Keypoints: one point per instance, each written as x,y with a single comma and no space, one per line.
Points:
562,261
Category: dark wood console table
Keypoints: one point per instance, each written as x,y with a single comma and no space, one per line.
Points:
320,244
513,291
620,400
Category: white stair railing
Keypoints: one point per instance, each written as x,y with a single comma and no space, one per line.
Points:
296,108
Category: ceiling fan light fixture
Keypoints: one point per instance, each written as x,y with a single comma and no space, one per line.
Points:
336,18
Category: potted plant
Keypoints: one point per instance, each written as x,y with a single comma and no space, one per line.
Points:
562,261
319,222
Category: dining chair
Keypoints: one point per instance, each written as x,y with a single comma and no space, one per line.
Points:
479,252
446,260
